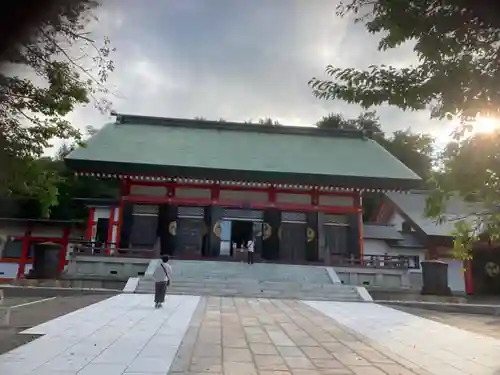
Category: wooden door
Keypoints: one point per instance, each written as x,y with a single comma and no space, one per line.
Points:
189,237
293,242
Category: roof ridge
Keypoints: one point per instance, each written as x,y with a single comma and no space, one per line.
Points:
123,119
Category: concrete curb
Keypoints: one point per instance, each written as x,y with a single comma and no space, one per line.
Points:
462,308
333,275
364,294
131,285
54,288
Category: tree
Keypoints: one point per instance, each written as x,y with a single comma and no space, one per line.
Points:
413,150
335,121
71,70
457,76
458,71
268,121
368,121
469,171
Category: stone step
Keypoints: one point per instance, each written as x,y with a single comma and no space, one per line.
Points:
262,294
347,291
343,293
277,288
267,284
306,297
258,271
258,280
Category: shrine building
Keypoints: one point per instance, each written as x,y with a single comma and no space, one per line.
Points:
198,189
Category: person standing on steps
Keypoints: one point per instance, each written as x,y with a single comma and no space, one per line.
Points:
250,250
162,277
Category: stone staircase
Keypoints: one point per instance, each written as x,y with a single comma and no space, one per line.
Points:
262,280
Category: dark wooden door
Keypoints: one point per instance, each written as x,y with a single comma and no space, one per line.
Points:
189,237
486,272
336,240
293,242
46,261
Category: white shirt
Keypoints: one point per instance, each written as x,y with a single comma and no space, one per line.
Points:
250,246
163,272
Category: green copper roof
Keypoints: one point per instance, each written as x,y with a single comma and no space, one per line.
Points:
231,151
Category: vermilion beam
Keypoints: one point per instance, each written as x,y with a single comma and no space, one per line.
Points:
145,199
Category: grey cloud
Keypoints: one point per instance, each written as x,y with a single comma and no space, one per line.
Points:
235,59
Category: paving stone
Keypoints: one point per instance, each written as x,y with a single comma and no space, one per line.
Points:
362,370
299,363
316,352
327,363
394,369
237,355
239,368
351,359
263,349
256,336
270,362
290,351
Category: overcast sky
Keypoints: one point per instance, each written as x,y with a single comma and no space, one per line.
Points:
237,60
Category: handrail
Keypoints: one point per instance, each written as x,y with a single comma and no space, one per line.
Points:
113,252
377,261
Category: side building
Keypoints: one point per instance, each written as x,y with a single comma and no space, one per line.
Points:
403,215
199,189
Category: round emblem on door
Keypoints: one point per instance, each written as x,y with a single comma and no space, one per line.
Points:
311,234
217,228
492,269
172,228
267,231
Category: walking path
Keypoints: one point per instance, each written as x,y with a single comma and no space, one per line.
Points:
244,336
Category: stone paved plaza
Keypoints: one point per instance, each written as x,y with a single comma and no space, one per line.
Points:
194,335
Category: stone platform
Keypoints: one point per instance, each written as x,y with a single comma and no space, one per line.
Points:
260,280
192,335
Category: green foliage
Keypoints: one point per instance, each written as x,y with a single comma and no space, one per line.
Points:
457,75
456,44
470,170
413,150
32,111
367,121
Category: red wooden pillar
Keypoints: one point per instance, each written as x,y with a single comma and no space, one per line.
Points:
358,203
25,247
469,284
90,224
111,224
64,248
124,191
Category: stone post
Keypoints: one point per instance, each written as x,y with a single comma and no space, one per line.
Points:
435,278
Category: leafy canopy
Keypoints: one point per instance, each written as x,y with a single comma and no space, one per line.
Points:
457,75
54,68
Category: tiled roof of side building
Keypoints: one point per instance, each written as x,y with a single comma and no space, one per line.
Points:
413,204
247,152
409,241
381,232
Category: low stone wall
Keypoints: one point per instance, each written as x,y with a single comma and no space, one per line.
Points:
105,267
380,277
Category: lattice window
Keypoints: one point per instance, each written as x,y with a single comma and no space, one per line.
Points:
294,217
236,213
340,220
194,212
145,209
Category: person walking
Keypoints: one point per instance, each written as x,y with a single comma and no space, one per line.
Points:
162,277
250,250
